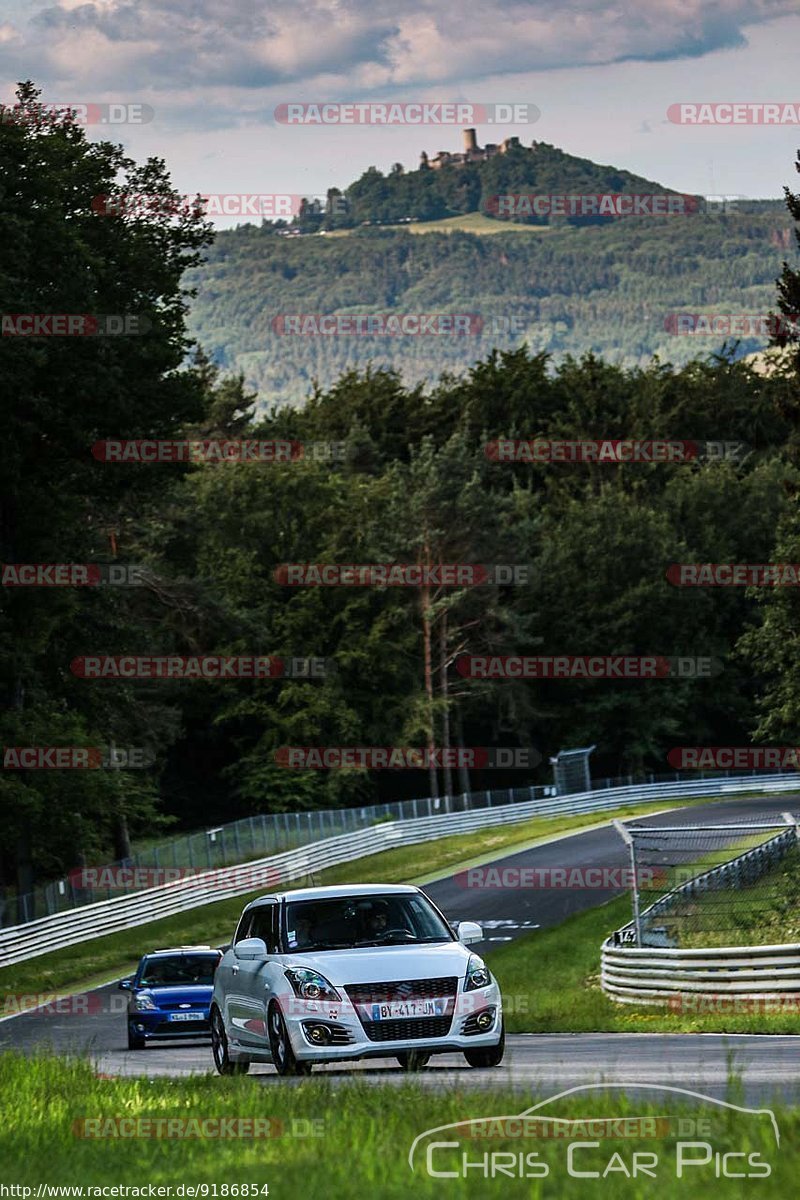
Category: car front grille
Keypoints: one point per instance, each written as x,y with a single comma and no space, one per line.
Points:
202,1008
407,1027
199,1025
402,989
399,1028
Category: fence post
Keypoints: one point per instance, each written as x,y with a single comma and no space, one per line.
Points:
627,837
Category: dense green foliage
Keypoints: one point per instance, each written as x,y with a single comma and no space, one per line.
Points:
609,289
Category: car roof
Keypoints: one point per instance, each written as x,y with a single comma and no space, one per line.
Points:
183,950
342,891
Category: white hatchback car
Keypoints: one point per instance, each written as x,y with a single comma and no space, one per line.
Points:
334,973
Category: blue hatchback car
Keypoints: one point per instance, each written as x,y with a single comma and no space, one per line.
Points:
170,995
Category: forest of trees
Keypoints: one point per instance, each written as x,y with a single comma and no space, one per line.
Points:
415,484
607,290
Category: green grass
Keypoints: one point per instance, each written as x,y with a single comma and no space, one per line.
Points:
474,222
765,913
90,963
550,981
361,1136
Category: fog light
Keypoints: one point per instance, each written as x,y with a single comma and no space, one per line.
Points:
140,1028
484,1019
319,1034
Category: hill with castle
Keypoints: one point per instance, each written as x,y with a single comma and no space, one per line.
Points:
394,244
452,183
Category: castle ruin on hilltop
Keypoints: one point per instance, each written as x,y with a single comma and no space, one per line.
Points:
472,152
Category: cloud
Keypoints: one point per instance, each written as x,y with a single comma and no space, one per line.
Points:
242,50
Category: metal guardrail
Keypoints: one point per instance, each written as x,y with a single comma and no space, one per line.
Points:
21,942
256,836
671,976
681,978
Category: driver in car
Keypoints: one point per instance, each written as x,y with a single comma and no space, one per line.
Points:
378,920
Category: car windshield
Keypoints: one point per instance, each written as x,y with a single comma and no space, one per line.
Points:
178,970
349,921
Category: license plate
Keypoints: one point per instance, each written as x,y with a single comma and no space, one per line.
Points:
186,1016
407,1008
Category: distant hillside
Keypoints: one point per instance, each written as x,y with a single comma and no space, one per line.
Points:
606,288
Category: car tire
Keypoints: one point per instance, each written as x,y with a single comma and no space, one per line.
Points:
134,1041
219,1048
283,1056
488,1056
413,1060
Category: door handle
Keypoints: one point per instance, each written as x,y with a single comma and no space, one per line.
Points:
235,969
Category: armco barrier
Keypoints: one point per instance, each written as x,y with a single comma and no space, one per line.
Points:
662,976
682,977
21,942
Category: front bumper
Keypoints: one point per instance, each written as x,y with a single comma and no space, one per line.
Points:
350,1039
153,1026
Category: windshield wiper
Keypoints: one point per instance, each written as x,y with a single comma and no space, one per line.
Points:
387,942
315,946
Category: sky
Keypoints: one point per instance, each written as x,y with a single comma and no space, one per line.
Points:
602,74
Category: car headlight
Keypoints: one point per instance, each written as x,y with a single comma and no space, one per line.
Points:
478,975
310,985
144,1003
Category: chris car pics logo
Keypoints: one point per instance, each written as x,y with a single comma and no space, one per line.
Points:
700,1143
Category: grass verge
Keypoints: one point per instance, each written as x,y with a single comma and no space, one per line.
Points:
550,980
361,1135
765,913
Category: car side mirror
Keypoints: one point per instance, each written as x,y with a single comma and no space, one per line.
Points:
251,948
124,985
469,932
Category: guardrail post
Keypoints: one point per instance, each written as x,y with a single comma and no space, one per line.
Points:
794,822
627,837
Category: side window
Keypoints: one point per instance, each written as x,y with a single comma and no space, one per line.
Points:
265,925
243,930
